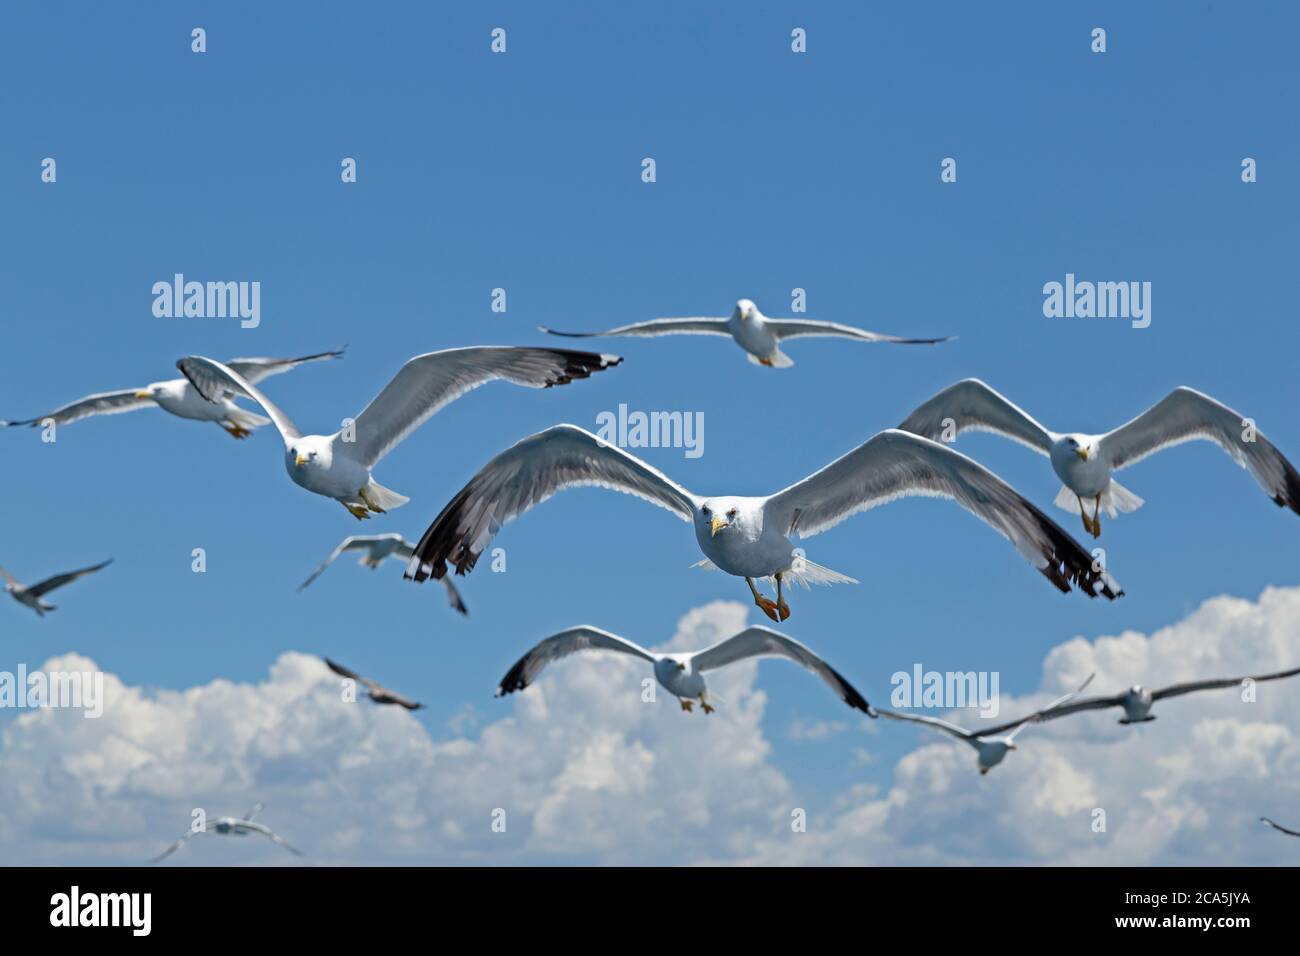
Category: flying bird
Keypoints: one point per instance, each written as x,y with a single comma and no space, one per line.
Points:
1278,826
746,536
375,691
682,674
179,397
1086,463
230,826
32,596
758,335
990,750
1137,700
376,548
339,466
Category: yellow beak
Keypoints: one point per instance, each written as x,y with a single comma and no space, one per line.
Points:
715,526
142,393
1082,453
301,460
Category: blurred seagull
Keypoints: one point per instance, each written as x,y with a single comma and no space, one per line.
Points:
1086,462
230,826
1278,826
747,536
1137,700
338,466
682,674
179,397
31,596
758,335
376,692
990,750
376,549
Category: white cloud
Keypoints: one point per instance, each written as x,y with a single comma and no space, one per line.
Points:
586,771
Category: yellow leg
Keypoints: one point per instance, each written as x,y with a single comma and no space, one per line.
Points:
370,504
1083,513
235,431
767,362
782,608
704,705
357,511
686,704
1096,520
769,607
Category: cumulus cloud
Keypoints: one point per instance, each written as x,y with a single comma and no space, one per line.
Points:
585,769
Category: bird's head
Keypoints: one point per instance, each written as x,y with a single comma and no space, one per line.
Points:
681,665
719,514
1081,445
308,450
746,309
154,390
1011,745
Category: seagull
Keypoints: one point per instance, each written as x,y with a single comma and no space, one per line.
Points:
1086,462
376,692
682,674
338,466
31,596
230,826
1278,826
377,548
179,398
1137,700
990,750
758,335
744,536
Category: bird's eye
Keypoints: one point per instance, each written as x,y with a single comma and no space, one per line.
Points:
706,512
731,513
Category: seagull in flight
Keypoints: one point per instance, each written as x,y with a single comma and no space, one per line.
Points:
339,466
1137,700
375,691
1086,463
376,548
758,335
230,826
32,596
990,750
682,674
1279,827
179,397
749,537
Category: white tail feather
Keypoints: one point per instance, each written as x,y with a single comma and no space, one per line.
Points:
1114,500
385,498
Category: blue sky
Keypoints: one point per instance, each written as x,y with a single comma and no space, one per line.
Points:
522,171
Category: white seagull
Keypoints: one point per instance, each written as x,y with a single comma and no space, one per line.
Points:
377,548
990,750
1137,700
31,596
682,673
750,536
375,691
338,466
230,826
758,335
179,397
1085,463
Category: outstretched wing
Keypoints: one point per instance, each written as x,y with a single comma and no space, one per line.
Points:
255,369
1175,690
970,405
655,327
1186,415
351,543
270,834
176,845
935,722
522,477
213,379
1057,708
895,464
350,674
429,382
104,403
563,644
794,328
765,642
1278,826
59,580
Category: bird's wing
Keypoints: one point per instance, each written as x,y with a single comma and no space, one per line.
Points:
1088,703
104,403
522,477
894,464
351,543
793,328
351,675
213,379
1048,712
255,369
429,382
49,584
176,845
765,642
1174,690
9,578
563,644
1278,826
943,725
970,405
270,834
698,325
254,810
1185,415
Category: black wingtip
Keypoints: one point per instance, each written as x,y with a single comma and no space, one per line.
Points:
581,365
1068,563
567,335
